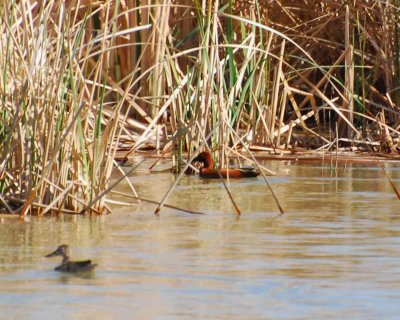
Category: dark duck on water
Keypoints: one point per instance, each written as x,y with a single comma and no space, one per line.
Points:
70,266
208,171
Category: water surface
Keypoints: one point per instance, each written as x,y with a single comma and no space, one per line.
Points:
334,254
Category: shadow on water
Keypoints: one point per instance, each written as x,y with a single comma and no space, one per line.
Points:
334,254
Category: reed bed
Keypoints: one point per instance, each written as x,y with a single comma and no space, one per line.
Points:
58,132
80,80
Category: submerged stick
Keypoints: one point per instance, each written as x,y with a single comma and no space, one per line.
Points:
385,173
390,180
229,194
262,173
157,202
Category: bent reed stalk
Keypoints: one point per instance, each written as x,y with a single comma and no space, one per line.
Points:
78,78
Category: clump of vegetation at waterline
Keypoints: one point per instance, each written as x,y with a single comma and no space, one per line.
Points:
81,80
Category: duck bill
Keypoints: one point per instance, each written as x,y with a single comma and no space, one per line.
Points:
51,254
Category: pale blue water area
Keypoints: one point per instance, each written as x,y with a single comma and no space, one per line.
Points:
334,254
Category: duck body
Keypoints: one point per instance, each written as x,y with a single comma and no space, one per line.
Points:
76,266
70,266
208,171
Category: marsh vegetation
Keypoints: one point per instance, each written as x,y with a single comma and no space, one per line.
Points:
86,83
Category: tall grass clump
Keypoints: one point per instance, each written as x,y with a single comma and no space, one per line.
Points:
59,129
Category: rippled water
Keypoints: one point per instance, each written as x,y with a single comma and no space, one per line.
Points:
334,254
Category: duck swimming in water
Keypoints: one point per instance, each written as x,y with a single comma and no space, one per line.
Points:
208,171
70,266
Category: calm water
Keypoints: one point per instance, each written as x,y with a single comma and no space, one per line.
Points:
335,254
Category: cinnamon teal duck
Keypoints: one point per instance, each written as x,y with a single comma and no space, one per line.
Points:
208,171
70,266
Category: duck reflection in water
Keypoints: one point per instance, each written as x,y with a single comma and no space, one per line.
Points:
208,171
70,266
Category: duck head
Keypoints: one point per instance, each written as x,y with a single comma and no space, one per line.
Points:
62,251
206,159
